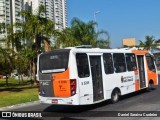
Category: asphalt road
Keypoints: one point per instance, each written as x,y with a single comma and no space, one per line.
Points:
139,101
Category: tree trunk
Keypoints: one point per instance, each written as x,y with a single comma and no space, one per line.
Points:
6,80
47,46
34,71
21,78
30,73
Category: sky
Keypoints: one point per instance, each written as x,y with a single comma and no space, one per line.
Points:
121,18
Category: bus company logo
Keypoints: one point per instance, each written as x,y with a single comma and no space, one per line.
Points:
60,86
126,79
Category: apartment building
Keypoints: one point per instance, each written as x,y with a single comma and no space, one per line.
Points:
60,14
55,10
9,10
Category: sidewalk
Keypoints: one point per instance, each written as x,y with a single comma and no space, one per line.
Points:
9,108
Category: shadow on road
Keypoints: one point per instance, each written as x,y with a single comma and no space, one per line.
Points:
74,108
84,108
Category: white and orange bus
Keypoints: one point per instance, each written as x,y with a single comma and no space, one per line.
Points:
82,76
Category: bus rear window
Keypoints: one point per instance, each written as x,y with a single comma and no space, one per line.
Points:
54,62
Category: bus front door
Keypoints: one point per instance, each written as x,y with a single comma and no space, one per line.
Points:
96,71
141,69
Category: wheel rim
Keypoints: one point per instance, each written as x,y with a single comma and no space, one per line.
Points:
115,96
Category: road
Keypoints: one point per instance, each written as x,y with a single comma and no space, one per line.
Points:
139,101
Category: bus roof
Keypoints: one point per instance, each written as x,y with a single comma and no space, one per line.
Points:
99,50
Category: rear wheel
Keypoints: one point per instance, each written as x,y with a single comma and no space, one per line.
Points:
115,96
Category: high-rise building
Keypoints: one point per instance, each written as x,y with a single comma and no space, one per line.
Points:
55,10
60,14
9,13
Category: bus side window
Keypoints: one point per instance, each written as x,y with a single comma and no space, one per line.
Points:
119,62
108,63
131,61
150,62
82,65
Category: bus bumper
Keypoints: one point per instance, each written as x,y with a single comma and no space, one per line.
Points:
73,100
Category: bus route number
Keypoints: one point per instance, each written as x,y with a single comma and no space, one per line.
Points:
85,83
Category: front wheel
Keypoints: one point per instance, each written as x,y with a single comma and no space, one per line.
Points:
115,96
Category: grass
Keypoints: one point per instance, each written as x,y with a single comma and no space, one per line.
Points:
16,93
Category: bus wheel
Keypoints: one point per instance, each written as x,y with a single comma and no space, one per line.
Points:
115,96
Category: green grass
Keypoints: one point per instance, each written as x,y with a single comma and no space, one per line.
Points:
17,93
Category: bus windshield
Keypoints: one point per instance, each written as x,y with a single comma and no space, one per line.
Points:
54,62
150,62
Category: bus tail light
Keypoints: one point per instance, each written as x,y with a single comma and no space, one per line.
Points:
73,86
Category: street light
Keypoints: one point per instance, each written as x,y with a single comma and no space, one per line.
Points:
95,13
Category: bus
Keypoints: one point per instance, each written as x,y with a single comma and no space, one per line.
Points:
83,76
157,60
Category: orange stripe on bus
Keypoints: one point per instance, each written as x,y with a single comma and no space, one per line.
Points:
140,52
61,84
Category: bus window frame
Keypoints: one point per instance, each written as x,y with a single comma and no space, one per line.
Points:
153,63
135,63
78,68
111,63
120,67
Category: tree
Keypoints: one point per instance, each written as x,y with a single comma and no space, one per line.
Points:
35,31
81,33
2,28
6,62
149,43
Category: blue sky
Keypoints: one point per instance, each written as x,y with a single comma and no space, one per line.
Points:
121,18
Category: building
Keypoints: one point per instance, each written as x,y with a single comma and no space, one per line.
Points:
60,14
55,10
9,10
129,42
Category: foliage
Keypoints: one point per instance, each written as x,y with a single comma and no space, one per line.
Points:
2,28
25,40
149,43
81,33
7,61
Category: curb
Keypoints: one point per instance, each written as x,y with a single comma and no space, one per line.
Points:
8,108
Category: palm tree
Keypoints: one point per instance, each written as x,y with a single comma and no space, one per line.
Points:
81,33
149,43
84,32
36,30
